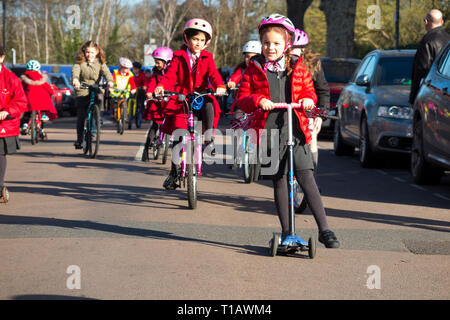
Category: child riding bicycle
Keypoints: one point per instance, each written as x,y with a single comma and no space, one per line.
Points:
154,109
123,79
192,69
90,66
39,95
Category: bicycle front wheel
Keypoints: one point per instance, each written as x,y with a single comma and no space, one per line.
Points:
121,117
191,177
95,131
34,128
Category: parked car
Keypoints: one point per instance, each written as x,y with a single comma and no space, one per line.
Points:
19,70
61,81
373,109
338,72
430,155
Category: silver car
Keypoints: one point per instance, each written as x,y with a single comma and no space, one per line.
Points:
374,113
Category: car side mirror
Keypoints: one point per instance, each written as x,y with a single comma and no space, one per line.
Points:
363,80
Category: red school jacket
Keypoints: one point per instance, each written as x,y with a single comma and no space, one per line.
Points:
39,93
236,78
255,87
178,76
12,100
154,110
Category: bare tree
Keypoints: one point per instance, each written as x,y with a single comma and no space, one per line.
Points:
296,11
167,20
340,18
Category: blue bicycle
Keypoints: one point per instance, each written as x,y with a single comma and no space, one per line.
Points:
92,126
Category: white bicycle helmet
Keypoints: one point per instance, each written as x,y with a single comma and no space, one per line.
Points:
33,65
125,62
252,47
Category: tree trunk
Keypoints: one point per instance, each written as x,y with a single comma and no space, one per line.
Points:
46,33
100,27
24,55
36,34
340,18
91,30
296,11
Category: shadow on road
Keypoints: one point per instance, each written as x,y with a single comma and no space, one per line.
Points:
126,231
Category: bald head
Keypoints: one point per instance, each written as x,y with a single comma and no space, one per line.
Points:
434,19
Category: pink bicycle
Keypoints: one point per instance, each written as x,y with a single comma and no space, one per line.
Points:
191,147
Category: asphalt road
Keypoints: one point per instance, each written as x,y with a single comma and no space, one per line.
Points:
106,229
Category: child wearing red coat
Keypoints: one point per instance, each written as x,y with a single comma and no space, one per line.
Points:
192,69
13,102
266,82
39,93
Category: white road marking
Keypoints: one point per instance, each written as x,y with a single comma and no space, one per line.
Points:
440,196
417,187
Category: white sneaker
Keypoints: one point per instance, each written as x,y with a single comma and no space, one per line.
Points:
45,118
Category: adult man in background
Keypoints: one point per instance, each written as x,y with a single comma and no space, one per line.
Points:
430,46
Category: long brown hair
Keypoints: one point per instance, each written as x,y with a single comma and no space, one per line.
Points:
81,57
310,59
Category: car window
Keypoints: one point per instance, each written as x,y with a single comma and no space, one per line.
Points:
362,68
338,71
370,68
394,71
444,68
58,81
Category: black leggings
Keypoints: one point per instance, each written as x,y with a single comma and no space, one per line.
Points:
308,184
206,114
2,169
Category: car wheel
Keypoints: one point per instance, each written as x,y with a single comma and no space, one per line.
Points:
340,148
422,172
366,157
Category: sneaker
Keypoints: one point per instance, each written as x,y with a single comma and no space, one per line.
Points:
24,129
78,145
171,182
328,238
4,196
45,118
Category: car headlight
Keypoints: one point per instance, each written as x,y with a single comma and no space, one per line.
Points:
396,112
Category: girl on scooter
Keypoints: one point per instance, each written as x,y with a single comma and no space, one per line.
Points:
266,82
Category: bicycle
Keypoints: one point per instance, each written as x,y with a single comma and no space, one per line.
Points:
135,109
92,124
35,127
120,107
191,147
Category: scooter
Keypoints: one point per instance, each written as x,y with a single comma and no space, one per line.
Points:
293,243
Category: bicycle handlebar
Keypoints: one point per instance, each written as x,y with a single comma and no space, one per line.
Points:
93,86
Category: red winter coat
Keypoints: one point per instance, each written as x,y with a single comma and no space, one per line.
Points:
39,93
255,87
140,80
154,110
12,100
178,75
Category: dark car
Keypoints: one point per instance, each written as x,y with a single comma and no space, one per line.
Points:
57,97
373,109
430,155
61,81
338,72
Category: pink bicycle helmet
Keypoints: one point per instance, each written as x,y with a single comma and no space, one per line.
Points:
300,38
125,62
201,25
278,19
163,53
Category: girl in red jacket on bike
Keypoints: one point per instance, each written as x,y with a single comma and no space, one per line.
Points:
154,110
266,82
39,94
13,102
192,69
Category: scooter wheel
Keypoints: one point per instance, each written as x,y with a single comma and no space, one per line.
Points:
311,248
274,245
